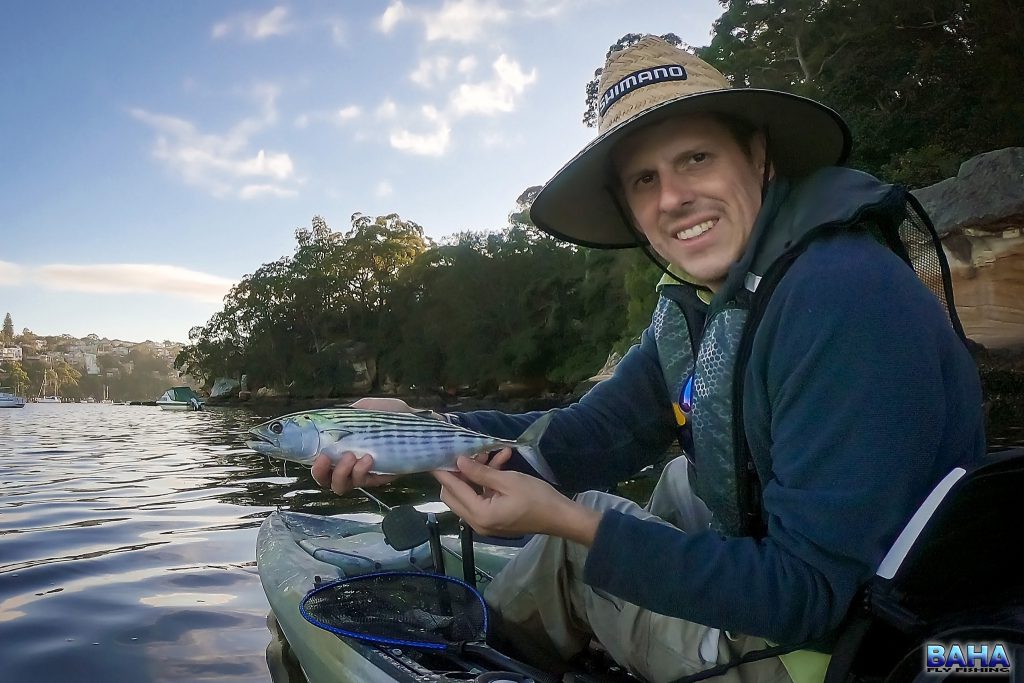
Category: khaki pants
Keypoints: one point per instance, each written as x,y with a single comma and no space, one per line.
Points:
543,606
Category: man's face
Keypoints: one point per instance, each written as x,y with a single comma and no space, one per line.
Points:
693,191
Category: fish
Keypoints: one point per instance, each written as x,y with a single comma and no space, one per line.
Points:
400,443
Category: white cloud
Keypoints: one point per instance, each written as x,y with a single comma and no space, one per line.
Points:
254,191
543,9
119,278
434,143
340,116
466,65
431,70
255,26
496,95
221,164
11,273
387,110
346,114
463,20
383,189
460,21
395,13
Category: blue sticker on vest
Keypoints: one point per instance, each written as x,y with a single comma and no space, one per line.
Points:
638,79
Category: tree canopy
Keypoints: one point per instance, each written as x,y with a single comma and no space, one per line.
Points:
923,86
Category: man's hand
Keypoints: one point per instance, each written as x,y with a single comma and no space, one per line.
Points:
513,504
352,472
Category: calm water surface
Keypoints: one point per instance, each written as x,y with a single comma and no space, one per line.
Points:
127,543
127,539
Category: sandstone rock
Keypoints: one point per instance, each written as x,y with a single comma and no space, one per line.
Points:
224,387
987,193
980,214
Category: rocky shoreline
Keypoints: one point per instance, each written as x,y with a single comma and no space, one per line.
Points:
1001,372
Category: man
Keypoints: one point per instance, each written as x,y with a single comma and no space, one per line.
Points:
818,388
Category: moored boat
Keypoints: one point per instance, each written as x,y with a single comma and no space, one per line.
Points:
10,400
180,398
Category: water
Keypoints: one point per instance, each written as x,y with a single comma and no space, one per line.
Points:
127,543
127,540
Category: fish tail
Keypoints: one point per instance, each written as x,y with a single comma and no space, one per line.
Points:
528,445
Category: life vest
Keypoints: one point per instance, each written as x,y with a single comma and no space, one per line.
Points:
711,342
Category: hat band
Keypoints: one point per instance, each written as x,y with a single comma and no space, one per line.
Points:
639,79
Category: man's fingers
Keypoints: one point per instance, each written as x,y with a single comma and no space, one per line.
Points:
361,470
478,473
341,479
455,493
499,459
321,470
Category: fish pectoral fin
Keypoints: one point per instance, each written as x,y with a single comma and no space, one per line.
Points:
333,435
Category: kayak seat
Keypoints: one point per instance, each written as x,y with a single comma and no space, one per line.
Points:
366,552
949,577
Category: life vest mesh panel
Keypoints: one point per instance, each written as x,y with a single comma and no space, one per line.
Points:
923,251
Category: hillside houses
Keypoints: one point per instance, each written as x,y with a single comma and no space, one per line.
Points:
92,355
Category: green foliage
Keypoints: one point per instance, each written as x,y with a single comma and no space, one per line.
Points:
13,375
480,309
7,337
922,85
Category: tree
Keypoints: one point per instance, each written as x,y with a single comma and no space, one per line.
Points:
66,374
13,375
590,110
8,333
909,77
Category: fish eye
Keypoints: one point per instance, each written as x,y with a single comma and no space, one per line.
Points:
276,427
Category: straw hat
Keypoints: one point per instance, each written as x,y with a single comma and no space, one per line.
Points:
649,82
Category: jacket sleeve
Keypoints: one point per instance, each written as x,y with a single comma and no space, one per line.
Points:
862,398
617,428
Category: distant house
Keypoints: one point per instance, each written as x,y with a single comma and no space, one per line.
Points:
10,353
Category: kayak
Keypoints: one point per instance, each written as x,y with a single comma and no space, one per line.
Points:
296,552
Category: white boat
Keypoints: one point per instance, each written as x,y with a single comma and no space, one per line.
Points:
181,398
106,395
10,400
49,399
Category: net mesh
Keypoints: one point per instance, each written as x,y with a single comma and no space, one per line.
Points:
923,251
913,237
404,608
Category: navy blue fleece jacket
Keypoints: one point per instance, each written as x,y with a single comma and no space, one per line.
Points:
858,393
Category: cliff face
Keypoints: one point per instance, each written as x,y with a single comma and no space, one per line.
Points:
980,215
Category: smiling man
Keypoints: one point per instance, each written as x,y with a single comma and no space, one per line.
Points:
803,352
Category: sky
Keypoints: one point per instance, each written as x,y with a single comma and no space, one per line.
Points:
154,153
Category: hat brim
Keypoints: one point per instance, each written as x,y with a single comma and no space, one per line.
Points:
577,204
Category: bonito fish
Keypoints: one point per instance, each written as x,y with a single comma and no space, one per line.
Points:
400,443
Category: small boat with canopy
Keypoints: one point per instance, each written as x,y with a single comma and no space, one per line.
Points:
180,398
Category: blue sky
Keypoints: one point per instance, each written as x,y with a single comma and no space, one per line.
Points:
155,152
